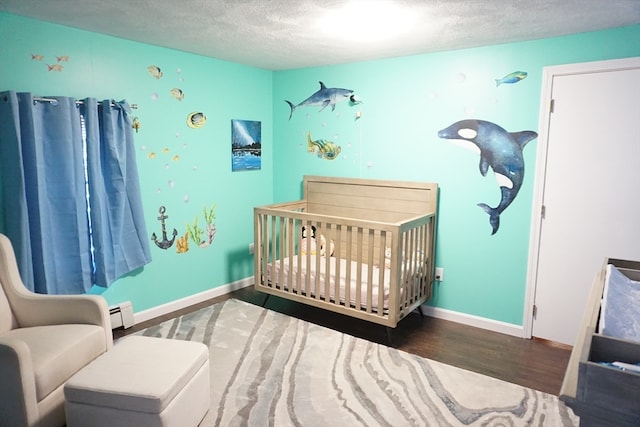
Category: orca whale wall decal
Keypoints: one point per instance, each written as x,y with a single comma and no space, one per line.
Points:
323,97
500,150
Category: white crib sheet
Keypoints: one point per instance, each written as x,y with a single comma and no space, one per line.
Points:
299,262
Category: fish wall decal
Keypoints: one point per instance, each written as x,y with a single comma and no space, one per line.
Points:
154,71
177,93
323,97
500,150
514,77
196,120
326,149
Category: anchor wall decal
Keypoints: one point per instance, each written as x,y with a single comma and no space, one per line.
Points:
164,243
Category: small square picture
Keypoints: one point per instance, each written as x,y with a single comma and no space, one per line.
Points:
246,145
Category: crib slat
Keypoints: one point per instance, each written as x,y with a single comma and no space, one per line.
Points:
316,261
327,263
409,275
306,286
338,250
349,258
290,242
382,271
369,263
359,267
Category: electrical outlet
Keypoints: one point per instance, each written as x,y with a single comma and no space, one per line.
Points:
439,274
251,248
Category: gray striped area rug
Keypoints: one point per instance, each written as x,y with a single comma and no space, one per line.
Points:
269,369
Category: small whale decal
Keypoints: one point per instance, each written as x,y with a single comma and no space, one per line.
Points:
500,150
323,97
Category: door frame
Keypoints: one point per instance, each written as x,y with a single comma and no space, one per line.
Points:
548,75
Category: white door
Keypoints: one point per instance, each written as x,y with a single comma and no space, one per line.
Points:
587,185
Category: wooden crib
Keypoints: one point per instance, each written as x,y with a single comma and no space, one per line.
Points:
367,251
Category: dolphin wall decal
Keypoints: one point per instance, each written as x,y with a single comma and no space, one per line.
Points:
323,97
500,150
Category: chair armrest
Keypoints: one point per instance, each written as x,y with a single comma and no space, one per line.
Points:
32,309
17,375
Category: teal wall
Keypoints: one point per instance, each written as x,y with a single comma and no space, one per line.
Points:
405,102
106,67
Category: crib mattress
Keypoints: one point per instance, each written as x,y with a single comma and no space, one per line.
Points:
298,263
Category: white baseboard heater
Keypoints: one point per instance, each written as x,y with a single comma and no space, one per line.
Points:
122,315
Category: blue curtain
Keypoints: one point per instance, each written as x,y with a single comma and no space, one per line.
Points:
44,193
119,233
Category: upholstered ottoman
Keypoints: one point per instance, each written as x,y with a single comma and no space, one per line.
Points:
141,382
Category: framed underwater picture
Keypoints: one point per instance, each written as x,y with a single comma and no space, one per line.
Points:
246,145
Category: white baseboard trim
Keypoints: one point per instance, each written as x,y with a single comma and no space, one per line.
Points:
476,321
440,313
179,304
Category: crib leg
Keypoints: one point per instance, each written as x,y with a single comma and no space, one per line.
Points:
390,336
265,300
420,311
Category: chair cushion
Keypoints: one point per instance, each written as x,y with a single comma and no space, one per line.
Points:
59,351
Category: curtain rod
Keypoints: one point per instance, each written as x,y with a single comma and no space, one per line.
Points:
78,102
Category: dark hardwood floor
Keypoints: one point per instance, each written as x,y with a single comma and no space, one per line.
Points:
531,363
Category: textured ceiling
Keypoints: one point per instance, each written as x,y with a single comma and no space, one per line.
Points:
286,34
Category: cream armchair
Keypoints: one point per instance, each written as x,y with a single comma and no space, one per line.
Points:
44,340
